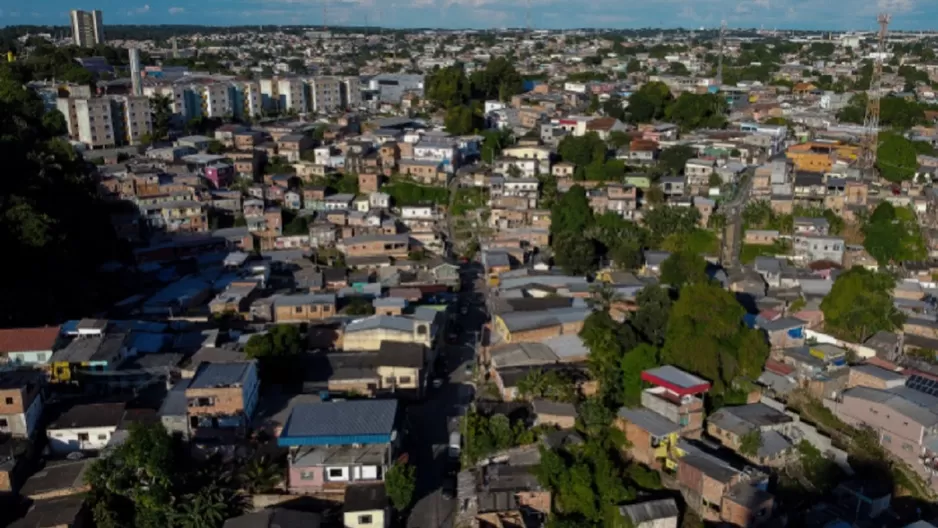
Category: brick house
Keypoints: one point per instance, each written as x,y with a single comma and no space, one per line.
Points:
301,308
221,399
369,182
718,492
676,395
730,425
397,246
21,402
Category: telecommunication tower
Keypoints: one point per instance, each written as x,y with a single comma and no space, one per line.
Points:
720,56
870,141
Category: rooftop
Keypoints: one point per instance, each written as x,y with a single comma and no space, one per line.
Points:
363,497
211,375
90,415
354,421
28,339
675,379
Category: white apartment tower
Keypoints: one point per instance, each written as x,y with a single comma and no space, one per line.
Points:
87,28
135,78
105,122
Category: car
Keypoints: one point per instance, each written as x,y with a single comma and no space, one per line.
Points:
437,383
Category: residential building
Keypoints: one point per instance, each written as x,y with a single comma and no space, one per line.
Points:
366,506
104,122
221,399
397,246
302,308
336,445
84,427
731,425
27,346
676,395
370,332
21,402
659,513
87,28
812,248
325,94
275,518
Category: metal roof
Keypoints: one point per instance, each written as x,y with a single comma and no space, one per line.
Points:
654,423
650,510
676,377
212,375
335,423
391,322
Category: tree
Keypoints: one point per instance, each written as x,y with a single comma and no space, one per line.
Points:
633,66
279,340
893,235
651,318
649,102
673,159
750,443
260,475
400,482
215,147
713,343
896,157
572,213
633,363
678,68
547,384
683,268
607,341
574,253
860,304
692,111
206,508
133,485
359,306
298,225
462,120
664,221
603,296
654,195
55,123
500,431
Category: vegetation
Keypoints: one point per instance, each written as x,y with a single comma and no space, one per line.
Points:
551,385
860,304
896,157
750,443
400,482
714,343
50,214
483,435
683,268
893,236
404,192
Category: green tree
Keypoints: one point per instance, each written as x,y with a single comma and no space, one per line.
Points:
574,253
692,111
713,343
893,235
607,341
55,123
673,159
547,384
279,340
678,68
896,157
206,508
500,431
215,147
633,66
640,358
572,213
683,268
665,221
260,475
400,482
750,443
462,120
651,318
649,102
359,306
860,304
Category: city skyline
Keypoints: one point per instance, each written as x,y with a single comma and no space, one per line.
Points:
911,15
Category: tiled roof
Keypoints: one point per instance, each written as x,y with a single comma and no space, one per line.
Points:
28,339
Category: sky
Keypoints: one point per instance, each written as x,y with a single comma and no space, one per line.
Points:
487,14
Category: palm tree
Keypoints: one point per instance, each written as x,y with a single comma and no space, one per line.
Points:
260,475
206,509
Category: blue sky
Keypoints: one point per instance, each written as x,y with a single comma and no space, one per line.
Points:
806,14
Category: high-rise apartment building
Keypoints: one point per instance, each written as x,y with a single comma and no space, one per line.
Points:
87,28
324,94
136,80
105,122
212,99
351,90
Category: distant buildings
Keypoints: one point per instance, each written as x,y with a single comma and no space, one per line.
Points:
105,122
87,28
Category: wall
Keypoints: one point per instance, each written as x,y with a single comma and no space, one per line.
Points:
228,401
898,434
313,481
667,522
63,441
378,519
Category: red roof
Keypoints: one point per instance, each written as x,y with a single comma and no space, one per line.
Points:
882,363
28,339
778,367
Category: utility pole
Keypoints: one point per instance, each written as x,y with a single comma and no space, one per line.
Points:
870,141
720,56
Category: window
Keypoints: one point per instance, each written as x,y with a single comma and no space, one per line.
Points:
83,437
102,437
337,473
390,380
364,519
9,401
3,423
298,309
306,475
404,379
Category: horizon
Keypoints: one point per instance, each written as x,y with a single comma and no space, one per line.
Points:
769,15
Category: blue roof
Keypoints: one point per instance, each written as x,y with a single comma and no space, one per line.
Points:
340,423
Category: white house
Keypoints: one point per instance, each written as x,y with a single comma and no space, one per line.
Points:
366,506
86,427
379,200
424,212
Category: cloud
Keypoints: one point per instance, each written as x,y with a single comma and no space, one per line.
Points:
176,10
140,10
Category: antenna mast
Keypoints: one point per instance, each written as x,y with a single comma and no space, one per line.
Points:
325,5
720,56
527,16
870,141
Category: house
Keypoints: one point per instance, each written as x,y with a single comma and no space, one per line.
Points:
812,248
676,395
370,332
275,518
731,425
659,513
397,246
301,308
718,491
221,399
785,332
562,415
338,444
698,171
93,352
653,261
811,226
402,367
21,402
27,346
366,506
84,427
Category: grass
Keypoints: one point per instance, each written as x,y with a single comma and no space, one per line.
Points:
749,252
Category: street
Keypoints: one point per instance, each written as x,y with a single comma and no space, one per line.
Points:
431,421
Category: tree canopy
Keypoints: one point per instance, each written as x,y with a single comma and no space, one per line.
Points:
714,343
683,267
893,235
896,157
860,304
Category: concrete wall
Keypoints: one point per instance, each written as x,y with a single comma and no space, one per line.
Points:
366,519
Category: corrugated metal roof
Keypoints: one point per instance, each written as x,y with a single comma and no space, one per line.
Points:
336,423
650,421
219,374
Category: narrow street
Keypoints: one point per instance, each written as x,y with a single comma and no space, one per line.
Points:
431,421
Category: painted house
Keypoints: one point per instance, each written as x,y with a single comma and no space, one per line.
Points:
366,506
221,399
86,427
677,395
339,444
89,352
27,346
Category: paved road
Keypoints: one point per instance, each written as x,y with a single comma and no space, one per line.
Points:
431,421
